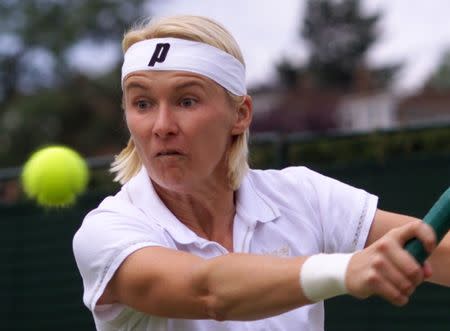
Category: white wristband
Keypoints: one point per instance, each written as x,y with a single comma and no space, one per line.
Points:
322,276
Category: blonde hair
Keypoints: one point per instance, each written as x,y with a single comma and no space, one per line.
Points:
197,28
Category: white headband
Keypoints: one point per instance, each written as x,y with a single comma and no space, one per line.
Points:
186,55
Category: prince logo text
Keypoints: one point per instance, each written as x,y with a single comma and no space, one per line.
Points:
160,53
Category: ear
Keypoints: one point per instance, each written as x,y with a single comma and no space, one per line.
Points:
244,116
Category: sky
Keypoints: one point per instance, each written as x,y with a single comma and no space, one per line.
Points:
413,32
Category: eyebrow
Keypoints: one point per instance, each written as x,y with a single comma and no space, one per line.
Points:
135,85
189,83
192,82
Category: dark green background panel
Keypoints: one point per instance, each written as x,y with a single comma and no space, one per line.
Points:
42,290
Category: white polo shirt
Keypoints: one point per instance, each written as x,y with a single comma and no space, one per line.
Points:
289,212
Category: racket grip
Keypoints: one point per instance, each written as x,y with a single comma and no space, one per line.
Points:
416,249
439,219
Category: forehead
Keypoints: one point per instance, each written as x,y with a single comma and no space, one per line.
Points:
167,79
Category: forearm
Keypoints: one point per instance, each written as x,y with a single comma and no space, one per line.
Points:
440,262
248,287
174,284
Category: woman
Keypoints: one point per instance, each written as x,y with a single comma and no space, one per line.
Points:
195,240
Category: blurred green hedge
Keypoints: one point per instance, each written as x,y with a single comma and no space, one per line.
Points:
335,150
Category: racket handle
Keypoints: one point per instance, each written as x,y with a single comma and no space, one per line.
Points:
438,218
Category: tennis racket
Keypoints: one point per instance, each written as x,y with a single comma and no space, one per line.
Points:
438,217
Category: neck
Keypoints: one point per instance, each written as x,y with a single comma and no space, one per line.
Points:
208,212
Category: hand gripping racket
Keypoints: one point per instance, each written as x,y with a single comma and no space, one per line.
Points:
439,219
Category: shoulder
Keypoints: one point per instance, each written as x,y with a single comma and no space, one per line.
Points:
287,180
292,188
111,210
116,222
124,209
295,185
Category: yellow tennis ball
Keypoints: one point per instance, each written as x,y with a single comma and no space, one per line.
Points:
54,176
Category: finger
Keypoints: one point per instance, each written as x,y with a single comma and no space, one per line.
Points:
388,291
427,236
427,270
419,230
391,248
406,265
392,274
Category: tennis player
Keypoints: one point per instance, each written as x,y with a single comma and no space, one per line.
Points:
195,240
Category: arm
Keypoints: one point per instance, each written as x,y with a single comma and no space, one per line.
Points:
175,284
439,259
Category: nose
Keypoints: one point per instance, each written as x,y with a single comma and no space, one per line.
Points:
165,124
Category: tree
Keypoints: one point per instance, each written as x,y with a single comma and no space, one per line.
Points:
339,36
440,79
44,98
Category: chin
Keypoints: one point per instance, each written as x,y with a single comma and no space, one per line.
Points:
172,182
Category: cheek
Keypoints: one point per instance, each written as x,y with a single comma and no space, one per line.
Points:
138,131
214,138
129,120
136,125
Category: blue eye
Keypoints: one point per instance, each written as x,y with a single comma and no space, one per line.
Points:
142,104
188,102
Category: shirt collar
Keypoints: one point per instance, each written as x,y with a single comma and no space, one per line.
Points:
251,205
